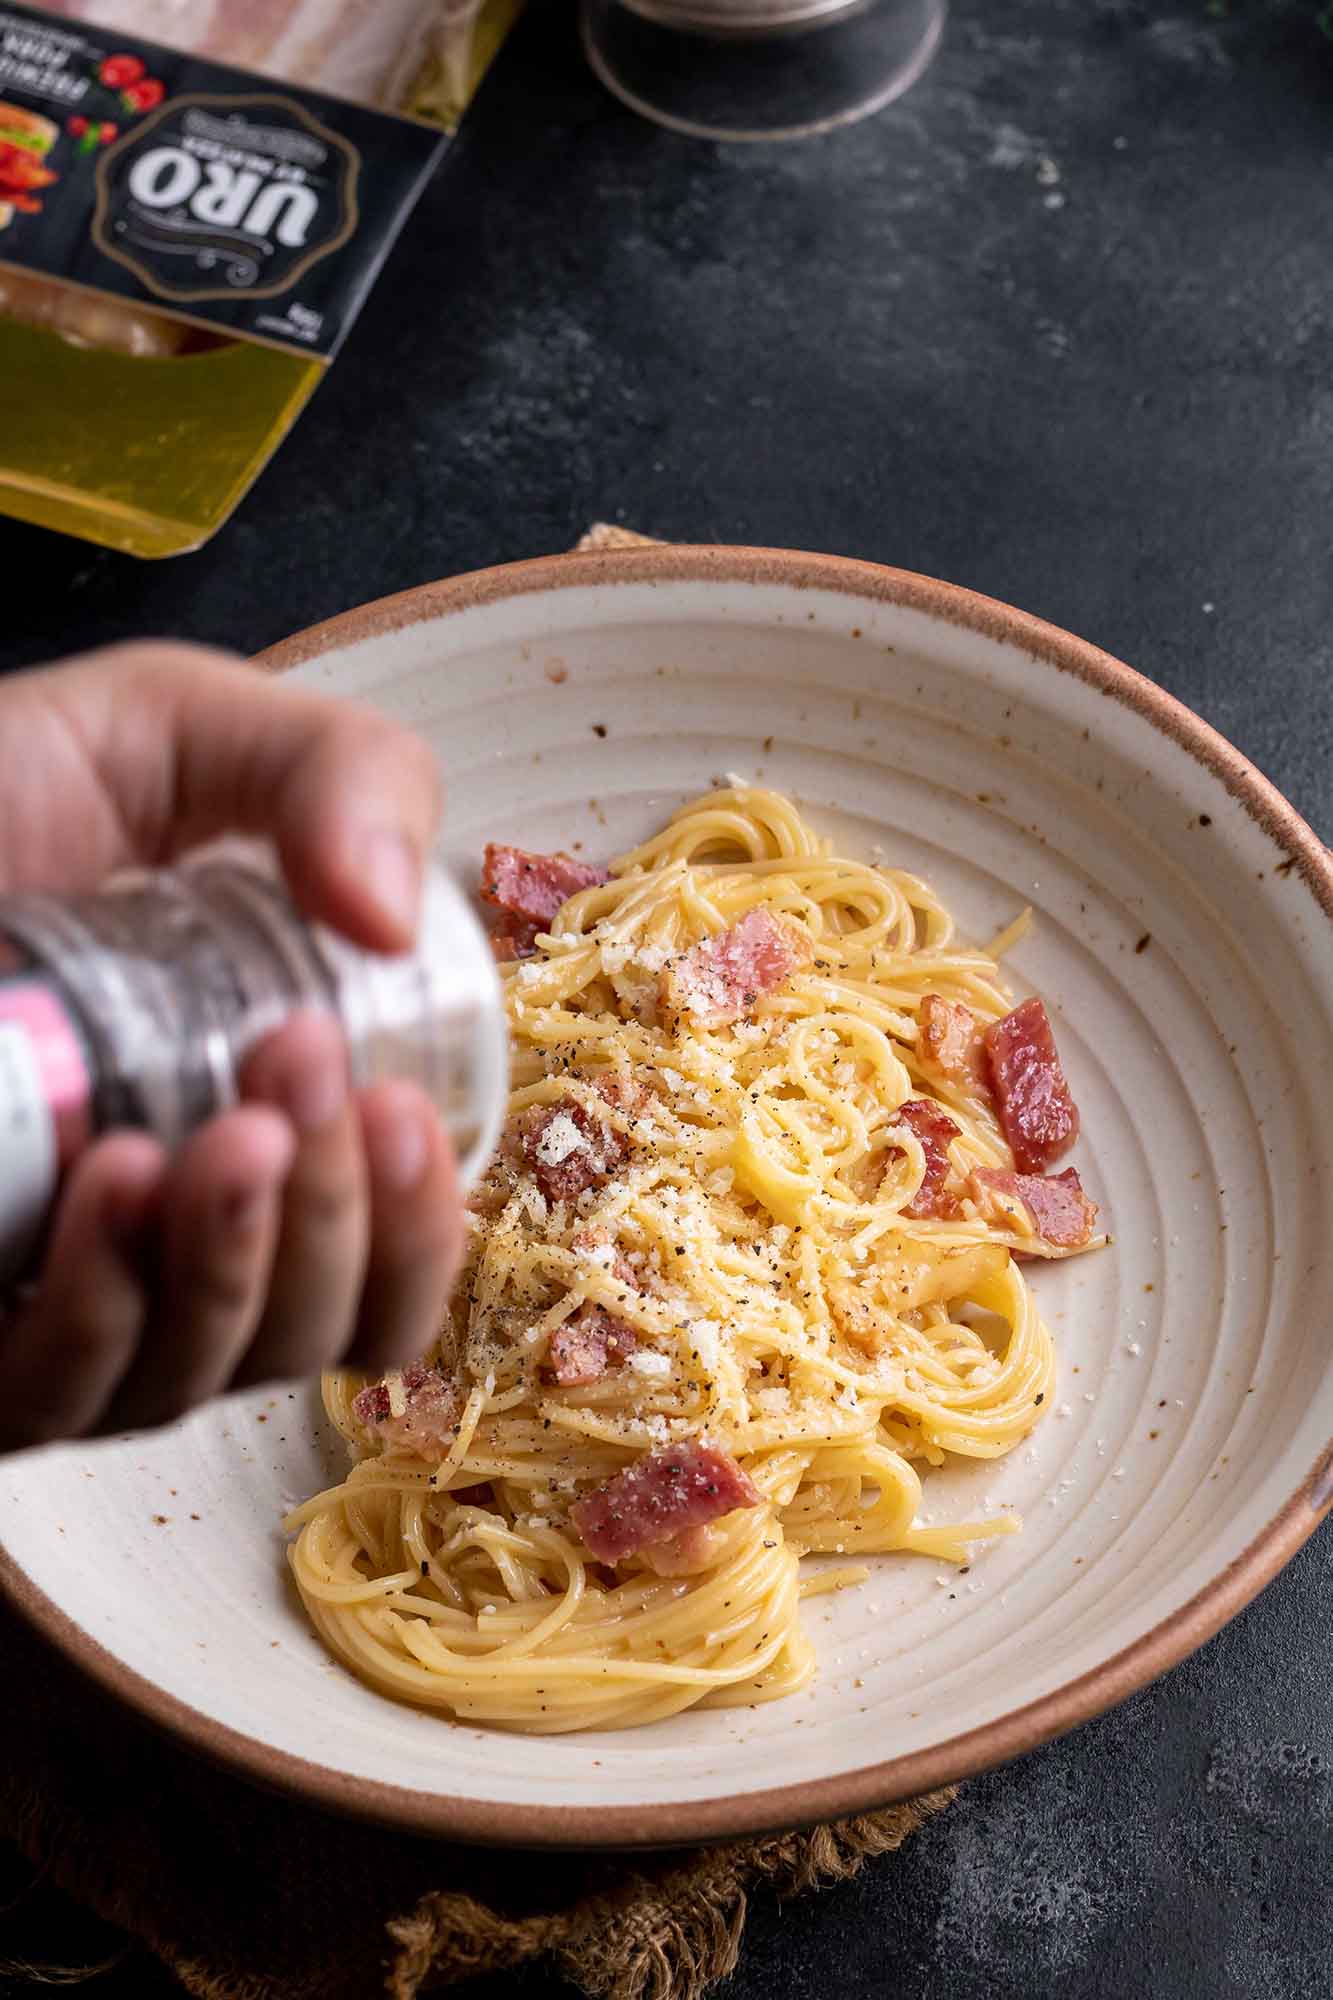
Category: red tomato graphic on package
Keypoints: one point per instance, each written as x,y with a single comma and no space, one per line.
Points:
118,71
143,96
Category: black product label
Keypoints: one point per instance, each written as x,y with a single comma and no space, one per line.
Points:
212,196
208,192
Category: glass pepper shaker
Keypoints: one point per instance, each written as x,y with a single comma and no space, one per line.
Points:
136,1005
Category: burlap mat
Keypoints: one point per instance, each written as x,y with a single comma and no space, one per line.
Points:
250,1896
602,535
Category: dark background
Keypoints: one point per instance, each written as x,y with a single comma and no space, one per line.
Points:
1057,327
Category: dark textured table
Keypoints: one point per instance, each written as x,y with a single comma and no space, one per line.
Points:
1057,326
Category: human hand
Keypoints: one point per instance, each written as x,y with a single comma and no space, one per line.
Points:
312,1224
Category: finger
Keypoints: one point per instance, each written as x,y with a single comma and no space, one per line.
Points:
65,1351
219,1225
325,1232
188,743
416,1227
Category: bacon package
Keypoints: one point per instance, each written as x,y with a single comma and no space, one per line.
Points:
185,243
369,50
424,56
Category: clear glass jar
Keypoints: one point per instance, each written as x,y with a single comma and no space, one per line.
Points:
759,69
136,1006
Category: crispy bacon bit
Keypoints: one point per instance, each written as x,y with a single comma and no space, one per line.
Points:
660,1498
1039,1116
414,1412
596,1247
513,937
568,1148
1061,1213
949,1041
583,1348
534,886
720,979
934,1129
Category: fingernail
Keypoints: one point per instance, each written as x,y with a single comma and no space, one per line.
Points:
313,1093
391,869
399,1146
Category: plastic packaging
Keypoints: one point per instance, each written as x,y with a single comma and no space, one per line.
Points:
185,244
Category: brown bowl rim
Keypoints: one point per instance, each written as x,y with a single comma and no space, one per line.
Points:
888,1780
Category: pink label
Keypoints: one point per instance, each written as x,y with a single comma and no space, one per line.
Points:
57,1054
29,1167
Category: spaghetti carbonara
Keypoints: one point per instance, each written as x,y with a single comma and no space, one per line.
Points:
743,1273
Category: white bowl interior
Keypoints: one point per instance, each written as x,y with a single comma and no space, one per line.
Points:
1194,1389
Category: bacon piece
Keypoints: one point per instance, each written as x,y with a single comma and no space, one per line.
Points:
513,937
534,886
934,1129
720,979
660,1497
596,1247
625,1274
584,1347
568,1148
949,1041
427,1423
1037,1111
1061,1213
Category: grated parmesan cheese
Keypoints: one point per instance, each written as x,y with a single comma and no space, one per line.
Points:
704,1342
561,1138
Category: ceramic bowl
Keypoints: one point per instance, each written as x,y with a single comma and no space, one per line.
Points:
1184,945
